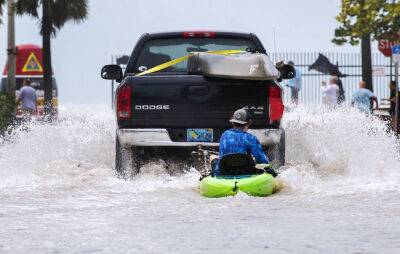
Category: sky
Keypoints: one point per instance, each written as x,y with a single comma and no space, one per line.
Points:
113,27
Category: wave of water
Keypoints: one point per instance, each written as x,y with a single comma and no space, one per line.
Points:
340,151
76,152
79,147
328,152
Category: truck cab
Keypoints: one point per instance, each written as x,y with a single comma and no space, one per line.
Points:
174,110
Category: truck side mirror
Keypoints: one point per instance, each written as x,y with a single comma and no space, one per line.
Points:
287,71
112,72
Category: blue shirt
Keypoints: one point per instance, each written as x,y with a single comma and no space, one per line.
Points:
235,141
296,81
362,99
27,95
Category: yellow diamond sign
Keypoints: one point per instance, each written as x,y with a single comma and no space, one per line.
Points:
32,64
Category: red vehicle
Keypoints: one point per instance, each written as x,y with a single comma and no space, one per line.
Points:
29,66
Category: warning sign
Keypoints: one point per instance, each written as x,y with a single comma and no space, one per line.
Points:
32,64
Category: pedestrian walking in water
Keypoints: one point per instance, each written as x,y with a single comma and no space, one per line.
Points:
392,99
330,92
27,98
295,84
363,97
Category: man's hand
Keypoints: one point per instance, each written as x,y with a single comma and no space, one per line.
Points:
267,168
271,171
263,166
375,99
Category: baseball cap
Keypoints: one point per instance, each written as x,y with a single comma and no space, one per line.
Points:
240,116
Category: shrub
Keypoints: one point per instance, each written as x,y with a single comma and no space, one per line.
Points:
7,105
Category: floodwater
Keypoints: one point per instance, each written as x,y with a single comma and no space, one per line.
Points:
58,193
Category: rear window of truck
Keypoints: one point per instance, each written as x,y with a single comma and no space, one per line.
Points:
159,51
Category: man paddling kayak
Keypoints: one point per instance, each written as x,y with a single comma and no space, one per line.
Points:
238,141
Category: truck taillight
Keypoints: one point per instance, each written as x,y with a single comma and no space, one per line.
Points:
276,107
124,102
199,34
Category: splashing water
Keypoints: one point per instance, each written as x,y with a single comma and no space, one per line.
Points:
49,153
343,149
340,151
59,193
76,151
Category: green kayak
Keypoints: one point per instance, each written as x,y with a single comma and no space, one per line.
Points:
254,185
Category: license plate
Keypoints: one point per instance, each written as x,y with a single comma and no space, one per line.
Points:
200,135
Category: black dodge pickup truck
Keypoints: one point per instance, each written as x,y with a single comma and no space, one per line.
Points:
166,110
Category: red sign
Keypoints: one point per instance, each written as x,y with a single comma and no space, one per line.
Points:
28,61
385,46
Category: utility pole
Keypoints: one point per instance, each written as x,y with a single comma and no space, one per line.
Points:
396,58
396,113
11,51
366,61
112,86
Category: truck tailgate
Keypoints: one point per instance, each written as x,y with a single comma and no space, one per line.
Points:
193,101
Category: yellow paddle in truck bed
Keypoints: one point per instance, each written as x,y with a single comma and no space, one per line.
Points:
181,59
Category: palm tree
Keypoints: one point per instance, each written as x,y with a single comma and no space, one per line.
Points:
1,8
55,14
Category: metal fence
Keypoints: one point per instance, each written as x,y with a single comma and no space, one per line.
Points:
348,63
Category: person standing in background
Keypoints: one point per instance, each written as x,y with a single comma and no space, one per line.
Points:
294,84
27,98
330,92
362,98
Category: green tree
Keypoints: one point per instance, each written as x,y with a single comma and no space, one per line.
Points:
7,105
1,9
55,14
363,20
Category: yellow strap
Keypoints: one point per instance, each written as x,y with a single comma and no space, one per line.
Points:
227,51
165,65
181,59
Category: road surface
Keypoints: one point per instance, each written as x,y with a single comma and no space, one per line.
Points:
58,193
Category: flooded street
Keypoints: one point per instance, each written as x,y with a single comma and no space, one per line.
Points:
59,194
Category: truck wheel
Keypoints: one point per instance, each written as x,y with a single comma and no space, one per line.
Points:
127,163
277,152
